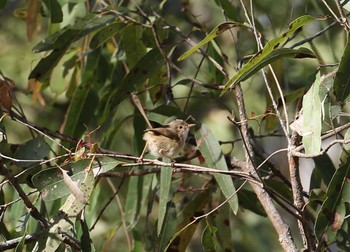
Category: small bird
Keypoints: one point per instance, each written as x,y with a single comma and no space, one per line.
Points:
168,140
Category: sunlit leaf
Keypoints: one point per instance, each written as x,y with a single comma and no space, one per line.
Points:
276,54
213,34
312,120
50,181
267,50
68,212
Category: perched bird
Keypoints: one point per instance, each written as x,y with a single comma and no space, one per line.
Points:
168,140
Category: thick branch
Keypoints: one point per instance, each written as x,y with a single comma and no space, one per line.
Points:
282,229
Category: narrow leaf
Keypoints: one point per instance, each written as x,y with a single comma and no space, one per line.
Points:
55,10
214,158
85,99
254,67
147,66
105,34
81,28
269,48
168,228
165,181
332,213
45,66
342,78
208,240
194,208
312,123
213,34
68,213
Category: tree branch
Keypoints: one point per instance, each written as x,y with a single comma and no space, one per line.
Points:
282,229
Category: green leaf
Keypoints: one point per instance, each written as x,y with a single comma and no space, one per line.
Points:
50,181
222,221
45,66
63,222
137,193
254,67
87,244
81,28
34,149
105,34
85,99
229,9
55,10
214,158
271,46
208,240
147,66
60,41
249,200
195,207
332,213
3,3
168,228
346,148
213,34
342,78
324,170
312,120
165,182
132,44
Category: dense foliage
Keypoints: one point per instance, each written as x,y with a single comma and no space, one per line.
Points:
266,83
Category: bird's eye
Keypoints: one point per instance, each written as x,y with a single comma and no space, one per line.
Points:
180,127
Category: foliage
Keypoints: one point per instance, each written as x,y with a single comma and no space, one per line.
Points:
265,91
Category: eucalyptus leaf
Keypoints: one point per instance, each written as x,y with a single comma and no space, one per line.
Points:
331,216
214,158
213,34
312,119
271,46
342,78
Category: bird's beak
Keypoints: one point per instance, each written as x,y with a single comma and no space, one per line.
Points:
191,125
